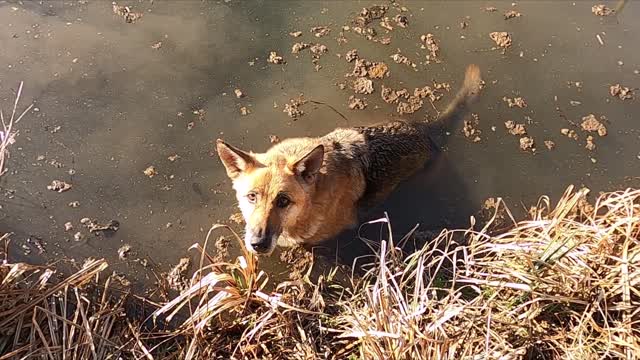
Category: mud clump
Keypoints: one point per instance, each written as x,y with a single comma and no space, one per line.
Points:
292,109
357,103
150,171
412,105
413,102
590,145
511,14
386,23
320,31
274,58
427,92
351,55
621,92
515,102
384,41
365,18
401,59
401,21
126,13
367,15
95,227
176,278
367,32
373,70
362,85
571,134
430,43
318,49
391,96
470,131
591,124
123,252
444,86
378,70
239,93
59,186
295,34
602,10
501,38
360,68
515,129
237,218
527,144
299,46
549,144
490,9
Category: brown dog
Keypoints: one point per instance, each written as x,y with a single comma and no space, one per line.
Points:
306,190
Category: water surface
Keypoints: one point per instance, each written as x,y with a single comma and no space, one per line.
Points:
108,105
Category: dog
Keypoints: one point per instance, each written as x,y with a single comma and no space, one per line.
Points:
303,191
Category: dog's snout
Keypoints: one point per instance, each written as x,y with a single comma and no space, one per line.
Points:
261,241
260,244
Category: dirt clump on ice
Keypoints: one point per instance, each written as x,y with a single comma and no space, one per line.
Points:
515,129
515,102
357,103
430,43
501,38
621,92
591,124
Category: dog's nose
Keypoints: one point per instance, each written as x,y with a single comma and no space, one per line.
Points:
260,243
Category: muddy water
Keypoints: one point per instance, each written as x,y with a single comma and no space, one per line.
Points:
109,105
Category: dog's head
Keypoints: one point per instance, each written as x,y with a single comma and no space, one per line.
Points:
273,191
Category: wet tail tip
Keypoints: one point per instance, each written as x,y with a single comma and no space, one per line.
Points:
472,80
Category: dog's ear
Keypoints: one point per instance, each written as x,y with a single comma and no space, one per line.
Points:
234,160
309,166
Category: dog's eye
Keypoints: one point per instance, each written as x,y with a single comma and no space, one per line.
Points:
252,197
283,202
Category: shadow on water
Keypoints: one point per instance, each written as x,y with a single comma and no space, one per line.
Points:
433,199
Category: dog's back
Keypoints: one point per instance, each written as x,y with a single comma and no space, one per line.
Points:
393,151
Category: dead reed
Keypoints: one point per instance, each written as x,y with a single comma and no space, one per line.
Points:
41,318
231,315
8,133
562,285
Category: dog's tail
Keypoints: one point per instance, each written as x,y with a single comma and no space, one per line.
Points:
459,107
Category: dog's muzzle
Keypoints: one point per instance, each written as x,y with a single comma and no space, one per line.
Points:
261,241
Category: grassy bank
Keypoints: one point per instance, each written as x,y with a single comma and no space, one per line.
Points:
563,285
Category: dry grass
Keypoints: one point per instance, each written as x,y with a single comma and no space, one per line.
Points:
231,315
39,319
563,285
8,132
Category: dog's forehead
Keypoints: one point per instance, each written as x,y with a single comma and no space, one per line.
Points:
272,178
278,160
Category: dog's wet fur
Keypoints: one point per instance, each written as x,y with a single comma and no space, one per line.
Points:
303,191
